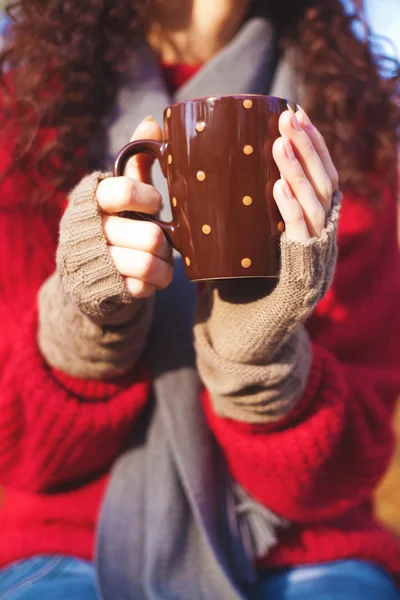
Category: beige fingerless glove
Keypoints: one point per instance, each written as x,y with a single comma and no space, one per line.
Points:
253,352
89,324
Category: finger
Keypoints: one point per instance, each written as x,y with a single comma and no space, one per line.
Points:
137,235
291,211
142,265
139,166
117,194
292,171
139,289
308,157
320,146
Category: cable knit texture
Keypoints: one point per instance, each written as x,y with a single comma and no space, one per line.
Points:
257,370
87,272
77,345
90,326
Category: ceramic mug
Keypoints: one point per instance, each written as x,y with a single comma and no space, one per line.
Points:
217,158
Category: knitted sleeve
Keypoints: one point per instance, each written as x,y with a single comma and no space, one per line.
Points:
89,325
58,430
253,351
328,452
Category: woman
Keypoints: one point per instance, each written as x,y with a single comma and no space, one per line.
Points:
277,501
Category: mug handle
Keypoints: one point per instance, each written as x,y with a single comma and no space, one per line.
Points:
156,149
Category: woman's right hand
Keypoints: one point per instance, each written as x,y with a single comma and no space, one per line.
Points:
139,249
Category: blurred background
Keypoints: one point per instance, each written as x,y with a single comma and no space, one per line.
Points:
384,20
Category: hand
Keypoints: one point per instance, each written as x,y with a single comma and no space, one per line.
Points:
309,178
139,249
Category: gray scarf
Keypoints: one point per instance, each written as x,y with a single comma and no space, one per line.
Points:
173,524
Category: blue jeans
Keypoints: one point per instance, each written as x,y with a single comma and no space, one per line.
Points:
59,578
341,580
48,578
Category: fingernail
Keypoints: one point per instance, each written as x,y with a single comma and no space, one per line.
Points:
295,123
286,188
288,148
142,124
305,121
149,118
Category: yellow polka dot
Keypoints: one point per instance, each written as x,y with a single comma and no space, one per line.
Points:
200,126
187,261
201,175
206,229
247,200
248,150
168,113
281,226
247,103
170,159
174,201
246,263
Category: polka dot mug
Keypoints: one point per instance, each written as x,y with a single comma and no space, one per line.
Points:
217,158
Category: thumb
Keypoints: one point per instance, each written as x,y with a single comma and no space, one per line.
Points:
139,166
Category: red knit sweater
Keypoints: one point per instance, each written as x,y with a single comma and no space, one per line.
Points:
317,468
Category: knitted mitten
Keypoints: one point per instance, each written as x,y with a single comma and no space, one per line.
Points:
89,324
253,352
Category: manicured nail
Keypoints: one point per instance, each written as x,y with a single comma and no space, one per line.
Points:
305,121
295,123
142,123
286,188
288,148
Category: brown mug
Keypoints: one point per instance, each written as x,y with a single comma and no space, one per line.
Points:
217,158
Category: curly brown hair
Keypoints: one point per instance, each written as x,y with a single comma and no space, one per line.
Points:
79,49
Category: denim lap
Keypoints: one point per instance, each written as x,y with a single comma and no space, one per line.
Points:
48,578
341,580
62,578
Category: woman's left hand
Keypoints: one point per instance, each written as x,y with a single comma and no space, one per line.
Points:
309,178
